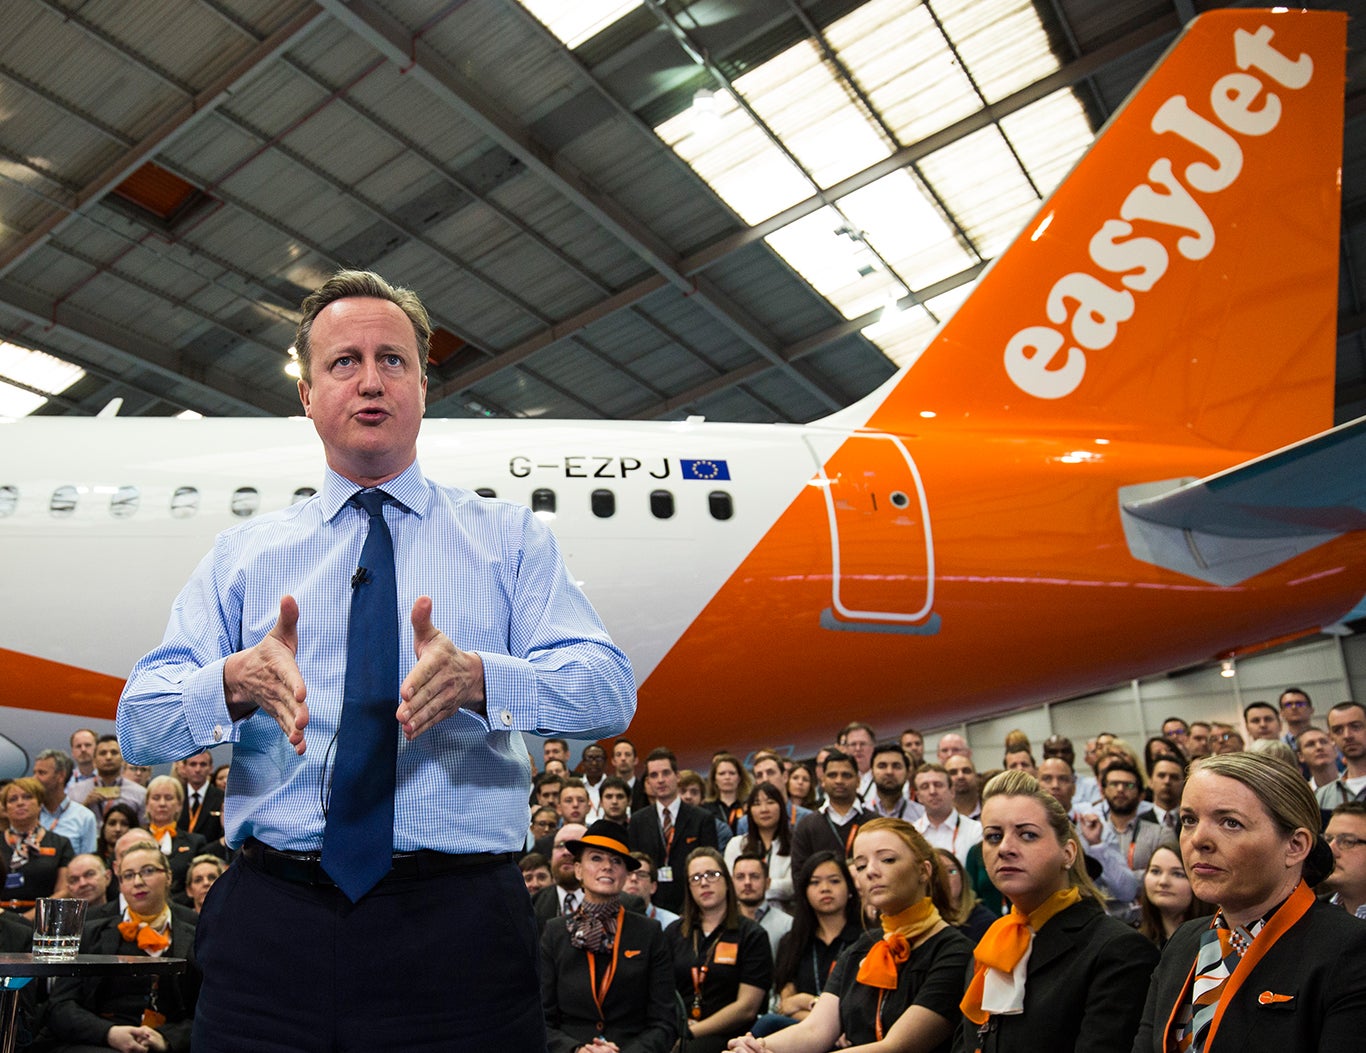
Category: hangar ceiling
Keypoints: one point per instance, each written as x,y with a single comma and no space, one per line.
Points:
613,208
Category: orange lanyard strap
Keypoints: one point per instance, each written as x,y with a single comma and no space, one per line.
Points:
877,1017
849,841
1133,842
1281,922
194,814
699,973
600,994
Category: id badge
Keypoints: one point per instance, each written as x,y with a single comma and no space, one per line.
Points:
151,1018
727,953
664,874
14,880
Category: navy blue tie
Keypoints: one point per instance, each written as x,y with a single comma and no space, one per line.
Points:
358,838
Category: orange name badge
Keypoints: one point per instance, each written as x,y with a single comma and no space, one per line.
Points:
46,850
151,1018
727,953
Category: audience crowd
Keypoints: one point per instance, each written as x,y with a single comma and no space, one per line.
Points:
1208,883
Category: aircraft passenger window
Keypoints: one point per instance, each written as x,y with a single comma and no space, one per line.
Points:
302,494
720,504
63,501
124,502
661,504
246,502
543,501
486,491
9,500
604,504
184,502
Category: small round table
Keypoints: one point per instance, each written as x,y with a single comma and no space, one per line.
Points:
14,966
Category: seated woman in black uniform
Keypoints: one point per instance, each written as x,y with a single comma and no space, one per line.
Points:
897,988
35,858
1276,968
606,979
723,966
165,800
153,1013
969,916
1056,973
825,920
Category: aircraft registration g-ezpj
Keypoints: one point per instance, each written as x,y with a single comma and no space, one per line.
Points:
1116,459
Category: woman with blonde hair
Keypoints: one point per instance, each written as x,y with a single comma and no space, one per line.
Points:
1057,972
897,988
967,914
1275,968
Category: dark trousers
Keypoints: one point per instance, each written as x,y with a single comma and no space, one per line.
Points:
446,963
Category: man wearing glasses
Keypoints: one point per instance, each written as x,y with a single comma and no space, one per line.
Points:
1346,835
1297,713
1134,837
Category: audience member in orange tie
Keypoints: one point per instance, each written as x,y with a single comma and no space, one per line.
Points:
1057,973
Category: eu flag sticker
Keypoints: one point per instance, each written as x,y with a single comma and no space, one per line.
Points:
704,469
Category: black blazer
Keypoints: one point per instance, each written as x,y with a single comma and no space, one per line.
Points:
1320,961
1083,992
693,829
546,905
210,824
815,834
639,1007
74,1011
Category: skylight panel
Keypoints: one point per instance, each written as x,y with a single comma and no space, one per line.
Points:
995,202
900,59
35,370
907,229
1002,43
574,21
1050,136
905,339
813,113
736,159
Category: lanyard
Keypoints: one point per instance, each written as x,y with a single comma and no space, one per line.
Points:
194,813
1284,919
60,812
600,994
699,974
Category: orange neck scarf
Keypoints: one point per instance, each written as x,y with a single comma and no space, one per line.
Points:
900,932
159,831
1005,944
151,934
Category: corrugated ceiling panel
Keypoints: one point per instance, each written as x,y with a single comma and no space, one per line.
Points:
779,300
620,159
403,104
190,42
51,272
276,99
566,226
538,278
496,46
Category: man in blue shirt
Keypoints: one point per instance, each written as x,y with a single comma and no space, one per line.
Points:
495,639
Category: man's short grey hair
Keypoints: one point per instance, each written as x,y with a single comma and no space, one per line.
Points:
347,284
60,758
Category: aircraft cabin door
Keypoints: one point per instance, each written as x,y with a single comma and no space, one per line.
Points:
881,545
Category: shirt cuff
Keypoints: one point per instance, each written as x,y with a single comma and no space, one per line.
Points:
206,707
509,694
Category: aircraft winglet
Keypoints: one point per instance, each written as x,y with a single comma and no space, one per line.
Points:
1239,522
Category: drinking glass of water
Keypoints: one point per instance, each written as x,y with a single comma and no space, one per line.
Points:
57,929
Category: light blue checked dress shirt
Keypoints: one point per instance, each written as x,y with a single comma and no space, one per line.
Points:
498,586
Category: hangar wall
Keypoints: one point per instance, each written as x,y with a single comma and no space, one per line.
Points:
1331,668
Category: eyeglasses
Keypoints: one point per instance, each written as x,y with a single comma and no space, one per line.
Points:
146,873
1346,842
705,875
1296,703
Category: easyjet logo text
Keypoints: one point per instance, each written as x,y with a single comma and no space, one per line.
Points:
1086,310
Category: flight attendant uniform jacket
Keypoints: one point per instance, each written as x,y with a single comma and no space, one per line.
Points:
639,1008
1307,993
1084,989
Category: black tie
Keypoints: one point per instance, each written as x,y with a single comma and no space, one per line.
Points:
358,839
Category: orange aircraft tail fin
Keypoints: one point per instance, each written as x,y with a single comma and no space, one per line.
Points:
1181,281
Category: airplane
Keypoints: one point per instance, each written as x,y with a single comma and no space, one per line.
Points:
1116,458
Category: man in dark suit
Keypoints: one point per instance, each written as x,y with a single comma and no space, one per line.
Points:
203,810
670,829
624,764
834,826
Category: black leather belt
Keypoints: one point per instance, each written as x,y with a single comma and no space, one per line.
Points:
305,868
